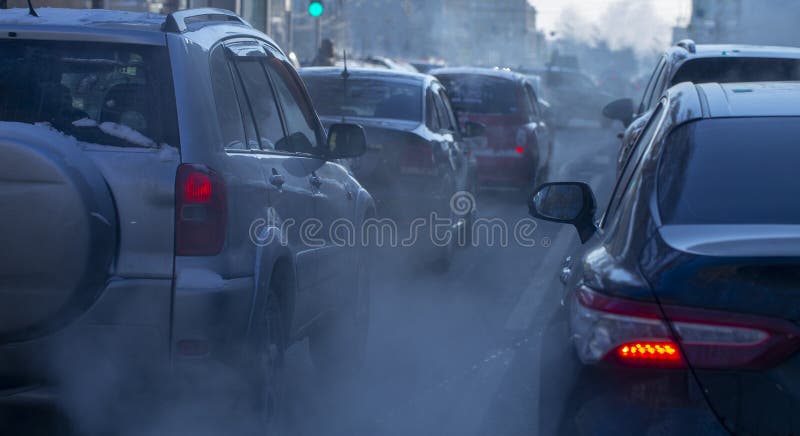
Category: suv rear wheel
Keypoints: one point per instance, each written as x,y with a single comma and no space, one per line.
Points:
267,364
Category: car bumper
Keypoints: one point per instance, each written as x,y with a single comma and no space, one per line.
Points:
578,399
124,334
504,169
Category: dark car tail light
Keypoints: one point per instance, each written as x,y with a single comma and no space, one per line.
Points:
634,333
200,211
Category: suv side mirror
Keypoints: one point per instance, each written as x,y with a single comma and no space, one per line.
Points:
346,141
473,129
621,110
568,203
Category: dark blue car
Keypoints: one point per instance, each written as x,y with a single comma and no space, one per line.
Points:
680,312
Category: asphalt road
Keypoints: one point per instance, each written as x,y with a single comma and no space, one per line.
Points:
455,353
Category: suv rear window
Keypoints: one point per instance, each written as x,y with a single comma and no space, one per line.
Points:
111,94
731,171
477,94
729,70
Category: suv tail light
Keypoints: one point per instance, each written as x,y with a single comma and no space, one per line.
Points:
634,333
200,211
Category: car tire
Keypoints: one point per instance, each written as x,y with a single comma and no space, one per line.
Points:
268,347
338,344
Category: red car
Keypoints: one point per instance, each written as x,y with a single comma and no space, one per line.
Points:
518,141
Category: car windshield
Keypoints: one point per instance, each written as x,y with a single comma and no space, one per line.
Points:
365,97
477,94
731,171
100,93
732,69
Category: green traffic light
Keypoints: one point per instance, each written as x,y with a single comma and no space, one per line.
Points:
315,9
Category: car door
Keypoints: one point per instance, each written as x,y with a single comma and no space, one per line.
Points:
332,187
541,130
444,140
290,198
466,170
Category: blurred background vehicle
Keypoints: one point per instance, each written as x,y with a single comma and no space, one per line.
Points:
519,141
416,159
690,62
573,94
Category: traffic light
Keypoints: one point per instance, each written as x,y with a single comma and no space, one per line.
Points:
316,8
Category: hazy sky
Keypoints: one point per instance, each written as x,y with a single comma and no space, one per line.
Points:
637,23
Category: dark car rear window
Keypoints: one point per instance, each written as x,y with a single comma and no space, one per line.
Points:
728,70
731,171
112,94
478,94
365,97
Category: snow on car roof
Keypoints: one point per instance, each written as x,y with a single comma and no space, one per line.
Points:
82,17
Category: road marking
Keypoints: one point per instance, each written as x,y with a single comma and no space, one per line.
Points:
522,314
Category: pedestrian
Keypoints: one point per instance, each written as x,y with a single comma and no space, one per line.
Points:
325,54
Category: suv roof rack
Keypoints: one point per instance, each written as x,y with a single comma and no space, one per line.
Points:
179,21
688,44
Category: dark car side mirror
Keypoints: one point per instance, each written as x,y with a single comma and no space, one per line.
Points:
346,141
621,110
473,129
567,203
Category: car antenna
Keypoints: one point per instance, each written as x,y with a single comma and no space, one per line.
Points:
345,73
31,10
345,76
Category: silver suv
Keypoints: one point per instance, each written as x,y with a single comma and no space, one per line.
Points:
155,173
701,63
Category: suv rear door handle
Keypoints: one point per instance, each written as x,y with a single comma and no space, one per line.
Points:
276,179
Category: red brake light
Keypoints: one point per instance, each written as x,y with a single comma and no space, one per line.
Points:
200,211
648,351
519,150
197,188
633,332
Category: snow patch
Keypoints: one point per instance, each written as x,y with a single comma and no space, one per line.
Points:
126,133
85,122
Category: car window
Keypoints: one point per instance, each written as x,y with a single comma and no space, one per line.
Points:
101,93
431,115
531,97
731,69
731,171
648,91
639,149
301,121
261,102
365,97
659,87
479,94
444,117
451,115
229,116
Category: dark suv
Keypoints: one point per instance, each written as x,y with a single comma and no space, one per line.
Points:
155,175
704,63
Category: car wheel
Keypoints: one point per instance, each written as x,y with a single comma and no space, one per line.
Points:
269,347
338,345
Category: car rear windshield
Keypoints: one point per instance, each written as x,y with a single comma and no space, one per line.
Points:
731,171
728,70
365,97
477,94
111,94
